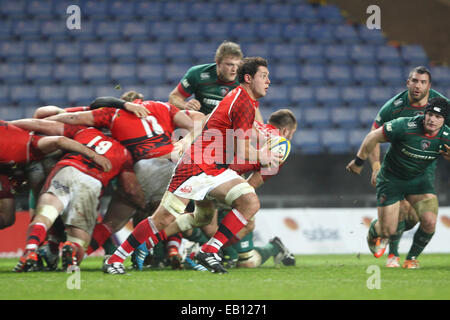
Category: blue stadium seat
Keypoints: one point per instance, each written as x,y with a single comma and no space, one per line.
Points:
244,31
441,75
175,71
123,51
53,95
295,32
95,51
277,96
346,34
344,117
414,55
363,54
302,96
283,52
284,73
14,10
135,31
60,6
316,117
163,30
151,73
188,30
217,31
161,92
322,33
146,90
123,73
86,33
5,30
335,141
107,90
56,30
39,72
107,30
11,113
67,72
40,51
269,32
95,9
122,10
374,36
356,137
339,74
24,95
367,116
233,10
328,95
391,75
330,14
279,12
313,74
68,51
203,11
307,141
150,51
4,95
175,10
148,10
13,51
179,51
253,11
388,55
80,95
304,13
203,52
337,53
365,74
378,96
40,9
95,72
266,112
12,72
26,29
311,53
354,96
253,49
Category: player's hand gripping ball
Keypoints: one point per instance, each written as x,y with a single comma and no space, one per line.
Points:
280,145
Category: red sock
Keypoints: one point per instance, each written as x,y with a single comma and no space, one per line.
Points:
79,252
143,231
233,222
173,244
232,241
101,233
36,234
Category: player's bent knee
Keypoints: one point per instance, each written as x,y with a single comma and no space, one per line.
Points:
83,244
427,205
172,204
185,222
237,191
48,211
203,216
249,259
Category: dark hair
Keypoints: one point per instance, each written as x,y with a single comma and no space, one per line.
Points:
130,96
439,106
283,118
250,66
420,70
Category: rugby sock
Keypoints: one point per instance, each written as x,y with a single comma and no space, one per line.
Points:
197,236
373,233
36,234
394,240
420,241
145,230
79,252
173,244
109,246
269,250
100,234
233,222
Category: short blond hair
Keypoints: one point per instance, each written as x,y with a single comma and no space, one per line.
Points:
228,49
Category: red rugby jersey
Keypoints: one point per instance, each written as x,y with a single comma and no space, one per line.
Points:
18,146
105,146
144,138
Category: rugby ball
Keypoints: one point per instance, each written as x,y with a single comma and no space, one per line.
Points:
280,145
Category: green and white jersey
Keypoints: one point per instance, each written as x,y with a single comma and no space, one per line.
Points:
202,82
411,151
399,106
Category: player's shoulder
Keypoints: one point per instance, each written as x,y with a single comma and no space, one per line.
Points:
436,94
203,71
397,101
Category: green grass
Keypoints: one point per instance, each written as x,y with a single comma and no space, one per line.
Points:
315,277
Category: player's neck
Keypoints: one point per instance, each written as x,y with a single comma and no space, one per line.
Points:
418,103
249,91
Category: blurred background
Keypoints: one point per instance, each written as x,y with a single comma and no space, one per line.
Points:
325,65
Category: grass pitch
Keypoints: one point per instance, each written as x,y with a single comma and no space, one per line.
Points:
315,277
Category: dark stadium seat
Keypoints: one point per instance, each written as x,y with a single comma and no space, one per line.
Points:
253,11
95,9
244,30
40,9
39,72
217,31
344,117
68,51
86,33
313,74
277,96
95,72
153,73
304,13
279,12
261,49
328,95
204,52
232,9
56,30
40,50
390,75
354,95
12,72
283,52
4,95
161,92
26,29
335,140
108,90
346,34
356,137
8,113
175,71
107,30
379,95
135,31
5,30
95,51
362,54
80,95
203,11
53,95
302,96
178,52
269,32
175,10
339,74
321,33
150,51
122,10
163,30
24,95
365,74
284,73
14,10
67,72
388,55
414,55
371,36
190,30
307,141
148,10
440,75
311,53
329,14
337,53
316,117
13,51
123,51
367,116
123,73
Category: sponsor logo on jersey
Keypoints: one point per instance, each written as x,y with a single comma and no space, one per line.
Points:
185,83
412,125
211,101
388,127
205,75
398,102
425,144
186,189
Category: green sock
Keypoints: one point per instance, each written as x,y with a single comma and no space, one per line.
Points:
245,244
230,252
373,233
109,246
197,236
420,241
394,240
269,250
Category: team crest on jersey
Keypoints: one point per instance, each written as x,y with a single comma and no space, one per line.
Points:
224,91
425,144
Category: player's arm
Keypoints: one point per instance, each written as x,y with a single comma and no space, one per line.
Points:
255,179
85,118
47,111
179,100
446,153
374,158
47,127
50,144
113,102
370,141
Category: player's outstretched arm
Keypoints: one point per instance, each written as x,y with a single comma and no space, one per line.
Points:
374,158
47,127
113,102
179,101
47,111
84,118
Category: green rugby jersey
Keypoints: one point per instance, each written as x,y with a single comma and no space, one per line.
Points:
411,151
202,82
399,106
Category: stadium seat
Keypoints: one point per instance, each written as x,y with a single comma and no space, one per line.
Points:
9,113
367,116
13,51
161,92
282,52
123,73
178,52
41,51
24,95
107,30
378,96
440,76
12,72
150,51
304,13
86,33
295,33
189,30
151,73
329,14
96,9
266,112
53,95
5,30
302,96
26,29
123,51
175,71
316,117
146,90
203,52
203,11
148,10
279,12
135,31
244,31
163,30
356,137
277,96
122,10
254,49
362,54
307,141
56,30
217,31
321,33
344,117
311,53
233,10
414,55
95,51
80,95
95,72
365,74
388,55
346,34
335,141
107,90
313,74
67,51
40,9
391,75
371,36
328,95
14,10
253,11
284,73
339,74
39,72
67,72
4,95
354,96
269,32
175,10
337,54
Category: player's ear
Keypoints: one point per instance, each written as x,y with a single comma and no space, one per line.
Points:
247,78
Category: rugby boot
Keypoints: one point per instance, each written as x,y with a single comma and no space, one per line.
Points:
393,261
